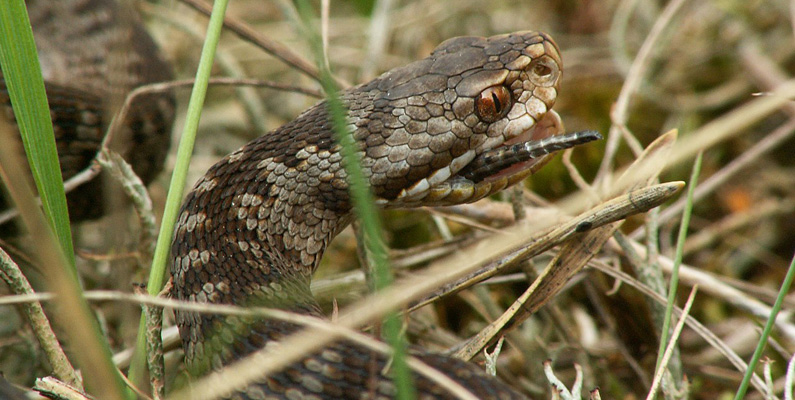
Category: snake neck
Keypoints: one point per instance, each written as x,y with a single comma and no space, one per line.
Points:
278,201
254,228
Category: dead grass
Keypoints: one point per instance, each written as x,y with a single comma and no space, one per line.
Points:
719,72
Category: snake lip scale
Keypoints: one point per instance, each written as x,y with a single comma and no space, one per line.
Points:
458,172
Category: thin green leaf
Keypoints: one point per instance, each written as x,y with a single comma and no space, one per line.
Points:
176,189
771,320
22,73
364,207
680,245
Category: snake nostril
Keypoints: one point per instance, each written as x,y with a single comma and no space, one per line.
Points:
542,70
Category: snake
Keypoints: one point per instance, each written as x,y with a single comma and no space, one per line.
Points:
470,119
467,121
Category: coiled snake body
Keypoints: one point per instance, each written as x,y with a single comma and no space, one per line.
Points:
444,130
92,53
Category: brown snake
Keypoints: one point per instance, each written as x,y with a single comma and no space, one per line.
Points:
254,228
455,127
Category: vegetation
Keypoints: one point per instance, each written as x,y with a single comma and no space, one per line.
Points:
718,72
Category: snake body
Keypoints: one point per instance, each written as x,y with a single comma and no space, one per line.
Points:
455,127
92,53
253,229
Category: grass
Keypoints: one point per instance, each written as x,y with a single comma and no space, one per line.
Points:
158,273
703,73
364,207
674,280
55,253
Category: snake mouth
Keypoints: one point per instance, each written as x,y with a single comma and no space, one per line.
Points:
505,160
528,151
473,176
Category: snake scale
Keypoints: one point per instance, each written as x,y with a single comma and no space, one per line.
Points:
471,119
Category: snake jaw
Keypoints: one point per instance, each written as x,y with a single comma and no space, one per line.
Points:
528,120
447,187
416,191
549,125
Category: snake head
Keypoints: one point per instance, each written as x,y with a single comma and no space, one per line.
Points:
420,125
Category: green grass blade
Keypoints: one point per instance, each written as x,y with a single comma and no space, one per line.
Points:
367,213
176,189
364,207
22,73
20,65
680,245
771,320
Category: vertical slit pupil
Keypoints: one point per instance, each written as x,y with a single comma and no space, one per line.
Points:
497,104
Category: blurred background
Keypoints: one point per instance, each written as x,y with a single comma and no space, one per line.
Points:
711,60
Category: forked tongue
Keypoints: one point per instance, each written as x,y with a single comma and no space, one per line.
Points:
495,162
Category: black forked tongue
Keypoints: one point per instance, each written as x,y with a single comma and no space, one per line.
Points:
495,160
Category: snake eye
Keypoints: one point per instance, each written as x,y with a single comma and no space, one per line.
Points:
493,103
